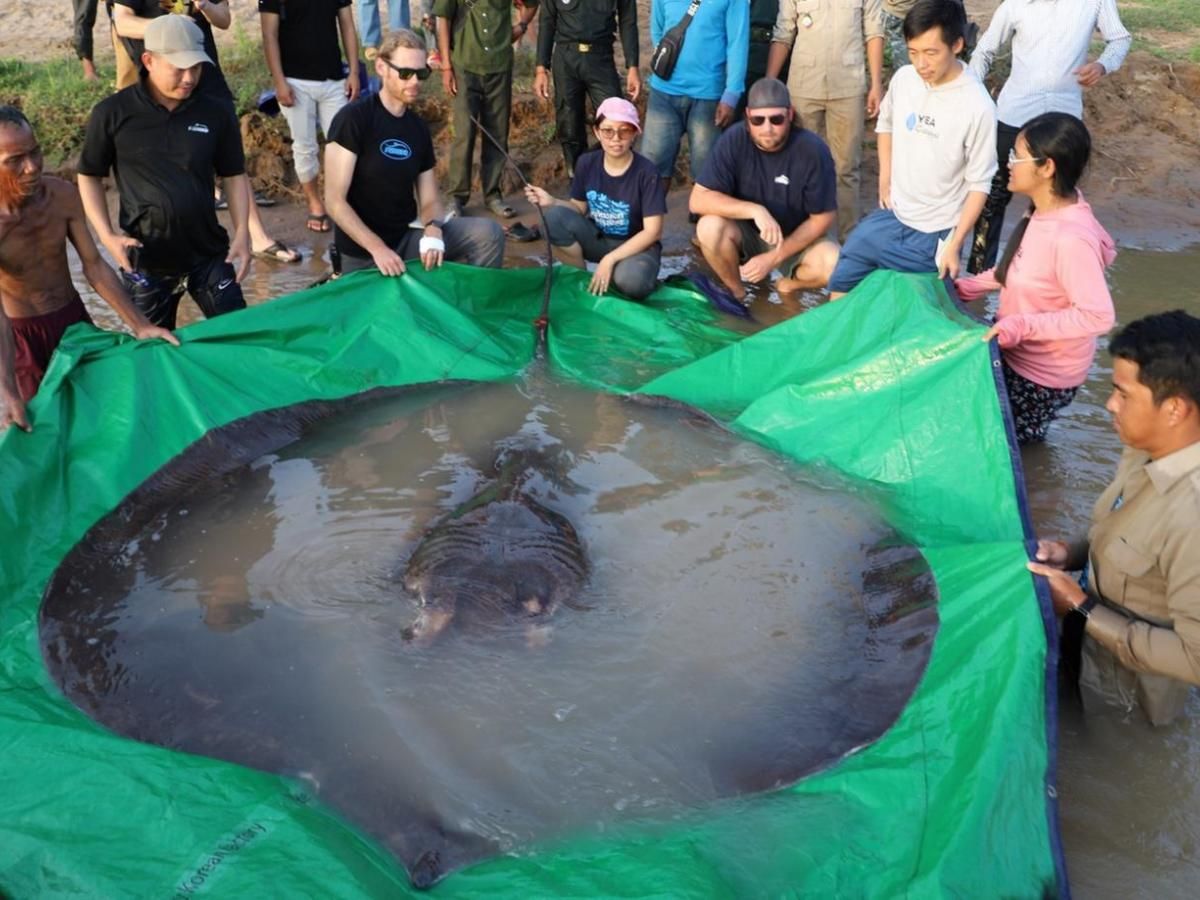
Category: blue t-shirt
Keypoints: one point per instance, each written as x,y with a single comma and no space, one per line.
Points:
618,204
793,183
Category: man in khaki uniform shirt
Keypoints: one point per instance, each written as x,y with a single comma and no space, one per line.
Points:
1142,603
833,43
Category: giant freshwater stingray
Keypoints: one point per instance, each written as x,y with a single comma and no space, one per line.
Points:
500,553
160,681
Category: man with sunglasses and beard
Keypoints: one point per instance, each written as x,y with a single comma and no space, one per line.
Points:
38,301
766,199
379,178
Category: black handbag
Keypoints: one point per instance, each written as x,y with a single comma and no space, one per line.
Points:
666,54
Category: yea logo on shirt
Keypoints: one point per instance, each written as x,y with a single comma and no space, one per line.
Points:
394,148
922,124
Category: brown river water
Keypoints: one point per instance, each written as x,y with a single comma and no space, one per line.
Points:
1129,795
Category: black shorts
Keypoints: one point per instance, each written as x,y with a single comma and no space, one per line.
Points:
212,284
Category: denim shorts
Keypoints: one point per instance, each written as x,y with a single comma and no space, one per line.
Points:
881,241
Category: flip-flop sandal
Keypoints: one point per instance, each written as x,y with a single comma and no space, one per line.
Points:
322,222
279,252
221,202
263,199
501,209
522,233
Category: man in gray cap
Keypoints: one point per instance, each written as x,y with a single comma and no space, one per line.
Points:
767,198
164,141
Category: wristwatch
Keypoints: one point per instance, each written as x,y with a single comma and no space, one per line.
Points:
1085,608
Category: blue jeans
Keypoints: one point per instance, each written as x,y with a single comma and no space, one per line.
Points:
667,117
368,19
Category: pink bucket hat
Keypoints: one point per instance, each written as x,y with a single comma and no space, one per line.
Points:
618,109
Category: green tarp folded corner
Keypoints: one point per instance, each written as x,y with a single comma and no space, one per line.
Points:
891,385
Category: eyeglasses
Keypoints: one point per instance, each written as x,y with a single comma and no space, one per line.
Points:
1013,159
774,119
611,133
405,74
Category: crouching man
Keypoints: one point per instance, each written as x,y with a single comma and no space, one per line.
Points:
767,198
379,178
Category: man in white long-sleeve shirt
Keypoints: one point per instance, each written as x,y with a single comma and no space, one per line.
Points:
1050,42
937,155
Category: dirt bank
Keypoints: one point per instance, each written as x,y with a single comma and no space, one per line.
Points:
1145,120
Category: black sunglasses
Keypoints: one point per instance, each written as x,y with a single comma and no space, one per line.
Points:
405,74
774,119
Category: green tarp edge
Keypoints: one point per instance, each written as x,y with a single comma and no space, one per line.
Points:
891,385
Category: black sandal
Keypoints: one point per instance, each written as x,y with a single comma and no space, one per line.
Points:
523,234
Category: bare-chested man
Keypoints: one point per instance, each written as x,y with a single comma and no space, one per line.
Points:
38,302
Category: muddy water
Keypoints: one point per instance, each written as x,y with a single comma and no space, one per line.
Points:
711,652
1129,795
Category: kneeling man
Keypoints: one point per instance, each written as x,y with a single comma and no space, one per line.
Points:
767,198
1139,606
379,177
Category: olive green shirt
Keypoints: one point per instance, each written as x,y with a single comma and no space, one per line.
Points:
1144,558
828,40
480,33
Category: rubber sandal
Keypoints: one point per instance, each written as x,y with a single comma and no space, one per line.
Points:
221,202
522,233
719,295
279,252
499,208
318,223
263,199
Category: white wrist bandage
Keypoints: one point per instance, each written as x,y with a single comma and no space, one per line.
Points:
432,243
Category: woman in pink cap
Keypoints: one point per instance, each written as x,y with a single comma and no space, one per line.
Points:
614,217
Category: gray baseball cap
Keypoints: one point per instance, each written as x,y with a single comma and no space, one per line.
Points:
768,93
177,39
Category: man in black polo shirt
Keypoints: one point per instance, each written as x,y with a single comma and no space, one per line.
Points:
379,176
575,40
132,17
164,141
766,199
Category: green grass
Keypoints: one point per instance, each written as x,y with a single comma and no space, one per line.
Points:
57,100
1180,17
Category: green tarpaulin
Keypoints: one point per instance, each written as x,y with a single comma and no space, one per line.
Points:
892,385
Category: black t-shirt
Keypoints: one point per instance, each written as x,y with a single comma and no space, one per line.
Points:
164,162
212,81
308,37
618,204
391,153
793,183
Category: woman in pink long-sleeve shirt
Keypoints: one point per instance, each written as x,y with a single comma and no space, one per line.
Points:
1054,299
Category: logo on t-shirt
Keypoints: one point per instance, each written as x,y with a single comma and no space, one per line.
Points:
611,216
198,127
922,124
782,179
394,148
